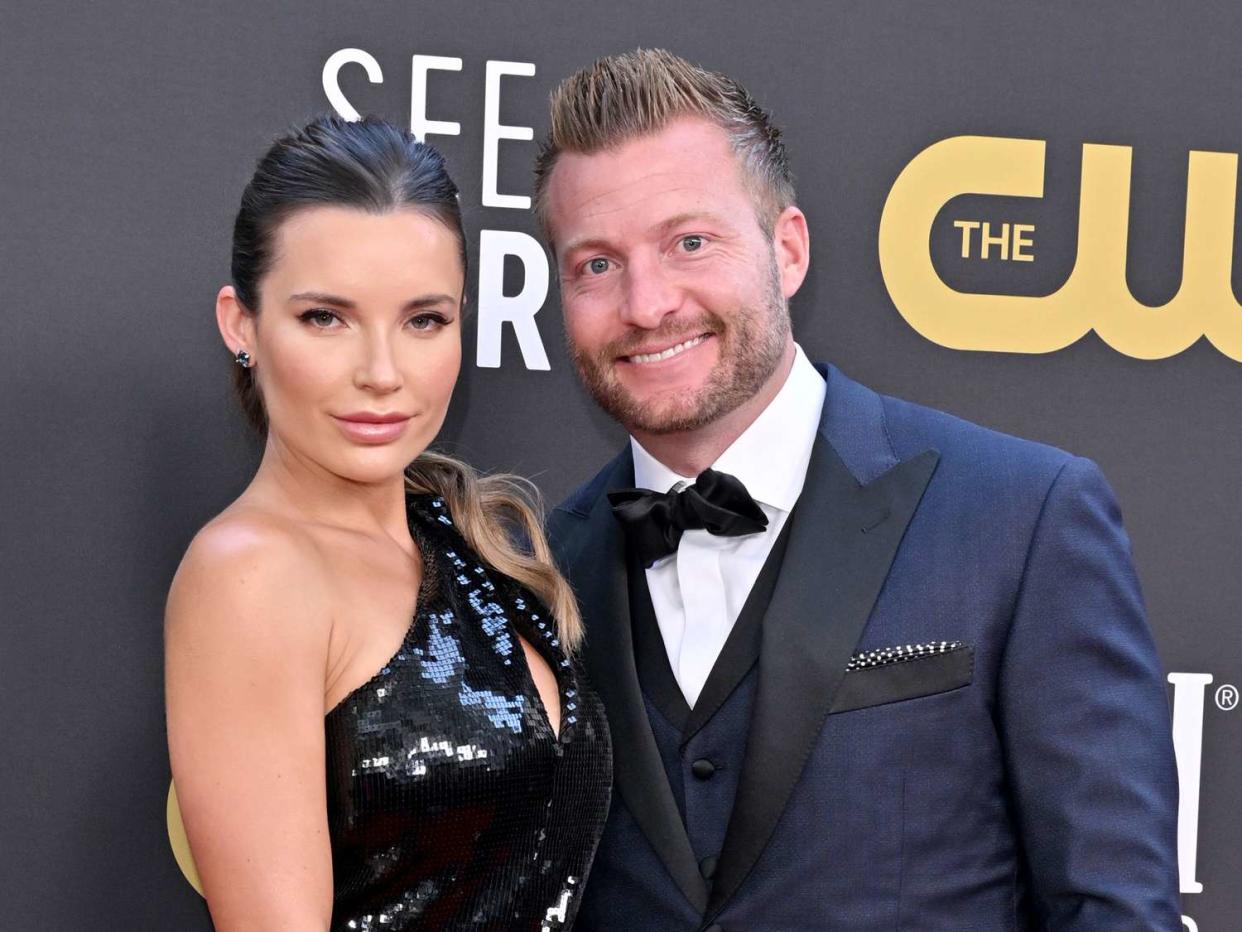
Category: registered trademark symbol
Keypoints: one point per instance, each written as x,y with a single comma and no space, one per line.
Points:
1227,697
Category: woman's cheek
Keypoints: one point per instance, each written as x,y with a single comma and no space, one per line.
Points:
300,373
432,369
450,364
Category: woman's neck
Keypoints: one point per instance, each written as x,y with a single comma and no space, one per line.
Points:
301,488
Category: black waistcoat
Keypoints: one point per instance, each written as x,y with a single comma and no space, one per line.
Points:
702,749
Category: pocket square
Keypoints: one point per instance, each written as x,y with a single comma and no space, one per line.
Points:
883,656
909,671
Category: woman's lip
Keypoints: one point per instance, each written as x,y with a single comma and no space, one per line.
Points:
371,431
370,417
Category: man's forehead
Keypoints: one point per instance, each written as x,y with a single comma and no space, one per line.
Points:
605,194
684,141
686,166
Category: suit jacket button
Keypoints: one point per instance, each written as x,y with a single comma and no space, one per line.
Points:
703,768
707,866
714,928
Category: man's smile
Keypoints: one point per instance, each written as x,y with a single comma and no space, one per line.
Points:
658,355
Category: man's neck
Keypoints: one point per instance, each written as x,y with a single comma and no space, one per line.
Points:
689,452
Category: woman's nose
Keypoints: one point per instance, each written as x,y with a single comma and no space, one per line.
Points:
378,370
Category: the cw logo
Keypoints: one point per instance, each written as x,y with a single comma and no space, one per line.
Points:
1096,294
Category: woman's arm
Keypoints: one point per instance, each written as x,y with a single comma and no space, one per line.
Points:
246,646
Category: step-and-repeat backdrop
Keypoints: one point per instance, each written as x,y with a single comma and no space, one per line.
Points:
1023,214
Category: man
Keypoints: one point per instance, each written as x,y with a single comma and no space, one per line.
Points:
866,666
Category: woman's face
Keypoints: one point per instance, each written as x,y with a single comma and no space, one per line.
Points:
358,343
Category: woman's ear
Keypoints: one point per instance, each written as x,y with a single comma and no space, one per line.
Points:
235,322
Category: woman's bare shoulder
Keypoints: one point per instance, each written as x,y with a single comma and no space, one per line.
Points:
246,634
245,535
249,567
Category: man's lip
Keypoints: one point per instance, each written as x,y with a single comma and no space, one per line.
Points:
666,346
371,417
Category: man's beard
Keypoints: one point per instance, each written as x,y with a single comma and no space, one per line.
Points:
750,351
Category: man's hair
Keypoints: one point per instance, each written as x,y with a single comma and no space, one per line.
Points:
636,93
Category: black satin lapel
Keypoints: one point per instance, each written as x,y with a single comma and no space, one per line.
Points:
599,576
655,674
741,649
840,550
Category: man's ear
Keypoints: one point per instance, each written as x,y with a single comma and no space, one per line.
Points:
791,242
235,322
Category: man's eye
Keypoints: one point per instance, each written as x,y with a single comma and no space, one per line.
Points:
318,317
692,243
597,266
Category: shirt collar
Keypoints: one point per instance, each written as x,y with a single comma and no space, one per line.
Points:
772,454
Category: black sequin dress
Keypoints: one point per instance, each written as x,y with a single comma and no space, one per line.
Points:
452,804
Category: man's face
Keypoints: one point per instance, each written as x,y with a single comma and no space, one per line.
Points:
674,301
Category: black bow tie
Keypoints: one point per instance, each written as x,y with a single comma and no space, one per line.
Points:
654,521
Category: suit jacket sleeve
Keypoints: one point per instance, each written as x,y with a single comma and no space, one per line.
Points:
1083,713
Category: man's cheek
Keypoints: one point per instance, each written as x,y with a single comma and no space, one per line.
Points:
580,335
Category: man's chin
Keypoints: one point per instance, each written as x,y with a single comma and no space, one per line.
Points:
666,415
687,405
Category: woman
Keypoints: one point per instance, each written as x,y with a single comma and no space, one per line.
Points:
374,717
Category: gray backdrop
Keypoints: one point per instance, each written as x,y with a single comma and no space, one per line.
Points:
129,129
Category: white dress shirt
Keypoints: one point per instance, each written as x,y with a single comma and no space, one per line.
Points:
699,591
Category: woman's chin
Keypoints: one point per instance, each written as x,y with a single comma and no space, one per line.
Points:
375,466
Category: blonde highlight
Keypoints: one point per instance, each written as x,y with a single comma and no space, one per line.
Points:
497,514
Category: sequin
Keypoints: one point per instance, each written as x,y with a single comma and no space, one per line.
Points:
452,804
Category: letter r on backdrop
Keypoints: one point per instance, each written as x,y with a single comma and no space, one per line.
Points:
496,308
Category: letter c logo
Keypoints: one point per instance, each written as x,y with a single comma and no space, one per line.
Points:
1095,296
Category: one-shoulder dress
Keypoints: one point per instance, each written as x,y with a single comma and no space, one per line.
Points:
452,804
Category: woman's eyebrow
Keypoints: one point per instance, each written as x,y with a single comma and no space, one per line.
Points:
321,297
428,300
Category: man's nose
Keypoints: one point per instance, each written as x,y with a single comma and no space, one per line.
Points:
651,294
377,369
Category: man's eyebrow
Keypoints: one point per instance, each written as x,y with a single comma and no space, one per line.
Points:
586,242
321,297
690,216
687,217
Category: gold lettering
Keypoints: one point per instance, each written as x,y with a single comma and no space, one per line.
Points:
966,226
986,240
179,842
1096,294
958,320
1021,242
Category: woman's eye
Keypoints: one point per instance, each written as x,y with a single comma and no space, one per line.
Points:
597,266
692,243
427,321
319,317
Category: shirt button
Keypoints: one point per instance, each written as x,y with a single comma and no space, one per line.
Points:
707,867
703,768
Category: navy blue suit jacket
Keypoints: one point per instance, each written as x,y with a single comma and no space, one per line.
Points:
1026,782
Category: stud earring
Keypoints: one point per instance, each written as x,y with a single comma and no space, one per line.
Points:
242,359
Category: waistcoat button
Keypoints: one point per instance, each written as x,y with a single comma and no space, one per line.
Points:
703,768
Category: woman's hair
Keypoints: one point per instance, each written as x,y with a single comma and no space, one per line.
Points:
374,166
